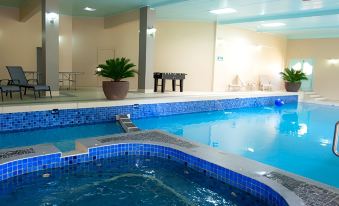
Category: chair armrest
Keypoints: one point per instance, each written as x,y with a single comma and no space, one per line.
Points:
14,81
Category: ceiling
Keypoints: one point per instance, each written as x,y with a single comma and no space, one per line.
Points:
302,19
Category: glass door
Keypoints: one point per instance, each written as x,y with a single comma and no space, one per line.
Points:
305,65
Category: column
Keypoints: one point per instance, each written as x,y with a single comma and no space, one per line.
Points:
50,44
146,49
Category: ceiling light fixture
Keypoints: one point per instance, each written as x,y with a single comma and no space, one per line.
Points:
275,24
223,11
89,9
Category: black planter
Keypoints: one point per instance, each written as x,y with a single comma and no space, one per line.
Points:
292,86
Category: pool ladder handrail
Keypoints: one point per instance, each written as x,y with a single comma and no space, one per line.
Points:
335,140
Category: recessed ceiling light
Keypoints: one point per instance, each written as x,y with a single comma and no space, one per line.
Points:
223,11
276,24
89,9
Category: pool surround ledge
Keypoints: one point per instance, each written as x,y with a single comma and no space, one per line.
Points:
98,113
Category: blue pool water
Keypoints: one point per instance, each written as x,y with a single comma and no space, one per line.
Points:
295,138
63,137
122,181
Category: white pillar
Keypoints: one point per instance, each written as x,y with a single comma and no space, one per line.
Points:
146,49
50,44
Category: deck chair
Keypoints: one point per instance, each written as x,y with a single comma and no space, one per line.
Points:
18,78
236,84
264,83
9,89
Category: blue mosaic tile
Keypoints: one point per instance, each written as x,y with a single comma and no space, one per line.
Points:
67,117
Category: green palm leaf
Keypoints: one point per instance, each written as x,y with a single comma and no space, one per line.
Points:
292,75
117,69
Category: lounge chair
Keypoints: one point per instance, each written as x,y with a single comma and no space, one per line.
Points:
236,84
9,89
18,78
264,83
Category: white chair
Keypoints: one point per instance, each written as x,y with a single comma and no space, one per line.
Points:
265,83
250,85
236,84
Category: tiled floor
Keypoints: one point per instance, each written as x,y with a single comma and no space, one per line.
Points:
96,94
94,97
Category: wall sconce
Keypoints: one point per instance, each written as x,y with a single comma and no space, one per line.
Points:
151,31
52,17
333,61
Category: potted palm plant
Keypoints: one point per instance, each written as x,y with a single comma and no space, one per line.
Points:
292,79
116,69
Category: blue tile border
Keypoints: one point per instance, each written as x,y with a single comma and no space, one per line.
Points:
67,117
44,162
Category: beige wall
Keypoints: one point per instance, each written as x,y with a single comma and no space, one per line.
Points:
18,40
247,54
87,39
93,44
186,47
65,43
180,47
325,75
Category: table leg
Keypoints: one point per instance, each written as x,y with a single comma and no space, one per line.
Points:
181,85
174,82
75,81
156,80
69,81
163,85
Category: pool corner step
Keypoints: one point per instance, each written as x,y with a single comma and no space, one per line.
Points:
127,124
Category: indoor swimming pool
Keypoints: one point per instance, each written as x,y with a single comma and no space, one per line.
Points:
295,137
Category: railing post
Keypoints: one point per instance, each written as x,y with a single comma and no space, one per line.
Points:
335,140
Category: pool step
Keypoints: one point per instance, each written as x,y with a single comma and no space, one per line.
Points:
127,124
314,96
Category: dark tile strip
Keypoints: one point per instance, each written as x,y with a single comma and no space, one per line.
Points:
13,153
312,195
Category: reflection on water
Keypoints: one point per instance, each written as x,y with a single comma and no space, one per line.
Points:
293,137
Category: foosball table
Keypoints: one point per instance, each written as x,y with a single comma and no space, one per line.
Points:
168,76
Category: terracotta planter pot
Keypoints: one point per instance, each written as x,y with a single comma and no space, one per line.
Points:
115,90
292,86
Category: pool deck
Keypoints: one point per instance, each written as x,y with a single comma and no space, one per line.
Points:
294,189
135,98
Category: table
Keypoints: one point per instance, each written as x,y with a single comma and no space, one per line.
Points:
171,76
70,77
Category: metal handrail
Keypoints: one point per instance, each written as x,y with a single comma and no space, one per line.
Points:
335,140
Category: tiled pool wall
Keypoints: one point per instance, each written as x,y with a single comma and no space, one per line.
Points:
46,162
67,117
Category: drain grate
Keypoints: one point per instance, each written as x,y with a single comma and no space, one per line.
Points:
148,136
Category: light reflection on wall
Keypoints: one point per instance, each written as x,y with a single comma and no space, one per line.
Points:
333,61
